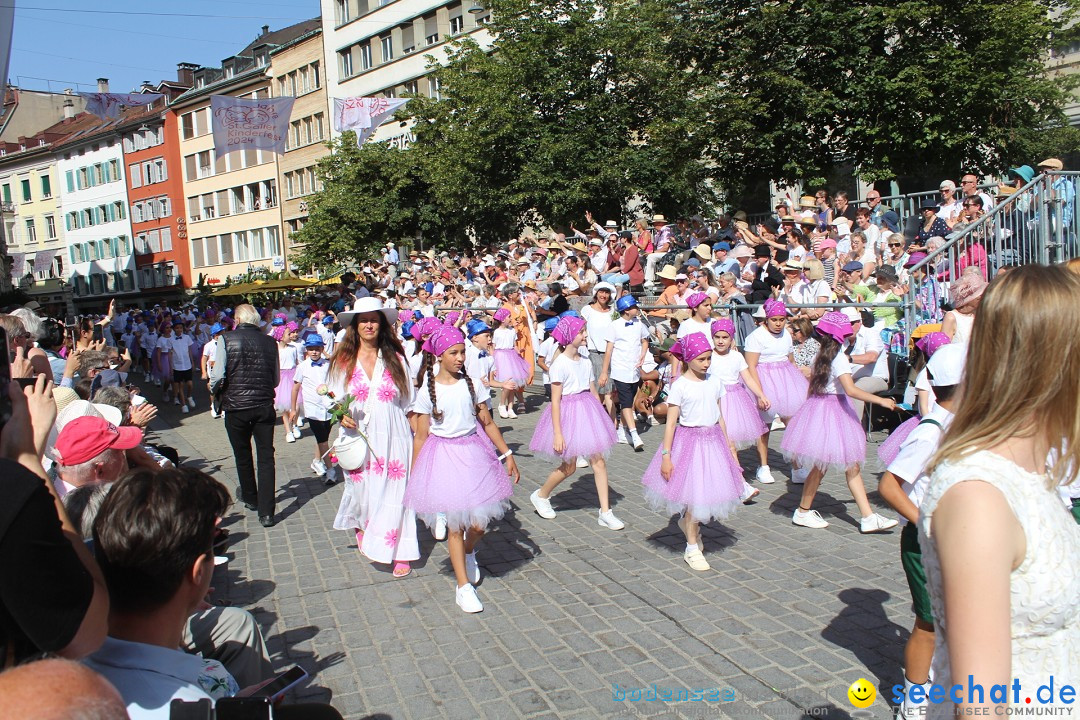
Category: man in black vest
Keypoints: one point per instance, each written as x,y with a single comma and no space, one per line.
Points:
245,374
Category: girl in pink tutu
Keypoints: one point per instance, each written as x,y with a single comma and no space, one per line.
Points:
925,400
693,471
771,361
421,331
449,415
826,432
575,424
739,408
288,359
509,366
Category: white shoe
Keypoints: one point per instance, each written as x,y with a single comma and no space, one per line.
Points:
542,505
213,412
810,519
777,424
290,438
908,709
764,475
472,569
749,492
300,422
176,401
621,435
440,527
582,462
318,467
608,520
191,403
184,409
510,412
873,523
696,560
296,433
653,421
799,475
467,600
635,440
502,411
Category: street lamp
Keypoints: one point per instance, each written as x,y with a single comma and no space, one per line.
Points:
476,8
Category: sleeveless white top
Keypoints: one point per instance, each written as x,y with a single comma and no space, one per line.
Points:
1044,589
963,327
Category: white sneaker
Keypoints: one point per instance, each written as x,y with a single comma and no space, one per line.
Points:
440,527
777,424
873,523
184,409
799,475
213,412
502,411
510,411
472,569
621,435
810,519
300,422
653,421
608,520
764,475
696,560
467,600
289,437
191,403
542,505
908,709
296,432
635,440
582,462
318,467
749,492
176,401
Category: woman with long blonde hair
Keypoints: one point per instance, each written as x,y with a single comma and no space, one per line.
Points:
1001,552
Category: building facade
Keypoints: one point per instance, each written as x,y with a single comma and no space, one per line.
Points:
28,112
297,70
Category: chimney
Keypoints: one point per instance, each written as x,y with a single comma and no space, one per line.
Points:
266,30
185,73
69,109
103,85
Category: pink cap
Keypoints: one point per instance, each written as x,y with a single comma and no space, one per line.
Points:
444,338
723,325
501,314
567,329
695,344
775,308
696,299
835,325
828,243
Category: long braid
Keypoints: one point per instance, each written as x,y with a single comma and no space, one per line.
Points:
426,364
435,412
472,393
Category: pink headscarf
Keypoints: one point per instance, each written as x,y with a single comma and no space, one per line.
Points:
501,314
444,338
723,325
676,350
930,342
835,325
775,308
567,329
695,344
696,299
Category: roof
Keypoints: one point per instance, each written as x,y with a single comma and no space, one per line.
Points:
284,35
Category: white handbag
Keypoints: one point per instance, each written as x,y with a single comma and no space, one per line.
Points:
351,446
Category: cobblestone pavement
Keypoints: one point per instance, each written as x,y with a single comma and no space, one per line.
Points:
577,617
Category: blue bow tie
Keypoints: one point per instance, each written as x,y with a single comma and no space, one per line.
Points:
318,363
629,323
484,353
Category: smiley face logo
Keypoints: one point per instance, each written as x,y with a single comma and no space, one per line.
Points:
861,693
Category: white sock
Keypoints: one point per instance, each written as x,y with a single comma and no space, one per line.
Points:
634,435
763,467
691,548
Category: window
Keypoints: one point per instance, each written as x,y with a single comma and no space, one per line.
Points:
408,43
411,87
114,170
197,257
99,175
319,132
164,207
342,12
365,56
25,190
431,29
6,190
302,80
69,176
387,42
50,227
281,87
433,88
316,82
31,232
187,125
137,213
166,238
294,133
346,62
307,131
226,249
457,24
205,168
46,187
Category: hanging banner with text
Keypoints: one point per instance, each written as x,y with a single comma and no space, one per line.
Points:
241,124
107,106
43,260
18,265
362,115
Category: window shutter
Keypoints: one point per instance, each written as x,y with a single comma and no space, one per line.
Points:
70,176
166,238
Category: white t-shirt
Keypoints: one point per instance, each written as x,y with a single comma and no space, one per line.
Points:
164,344
479,369
287,357
209,351
310,377
910,462
576,375
547,351
504,338
180,348
691,326
840,366
922,382
771,348
148,341
817,289
597,323
869,340
699,402
626,351
456,406
726,368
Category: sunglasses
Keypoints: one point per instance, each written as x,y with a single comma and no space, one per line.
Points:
896,245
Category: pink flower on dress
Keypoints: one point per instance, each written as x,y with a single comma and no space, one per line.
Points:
386,393
355,475
387,377
377,465
360,391
391,538
395,470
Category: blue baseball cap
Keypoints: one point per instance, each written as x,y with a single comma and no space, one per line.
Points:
216,328
721,246
477,327
550,324
277,321
313,340
570,313
625,303
693,262
406,330
328,320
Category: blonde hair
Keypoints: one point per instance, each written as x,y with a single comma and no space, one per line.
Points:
1073,266
813,269
1032,306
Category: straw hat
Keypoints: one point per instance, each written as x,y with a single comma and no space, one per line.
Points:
668,272
703,251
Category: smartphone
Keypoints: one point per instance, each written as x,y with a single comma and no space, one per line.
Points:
282,684
195,710
244,708
5,380
98,333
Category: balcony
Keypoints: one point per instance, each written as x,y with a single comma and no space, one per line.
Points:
7,207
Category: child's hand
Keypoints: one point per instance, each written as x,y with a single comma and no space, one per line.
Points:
666,468
887,403
558,444
512,469
763,403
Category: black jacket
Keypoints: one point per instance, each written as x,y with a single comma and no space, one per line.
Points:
761,289
251,368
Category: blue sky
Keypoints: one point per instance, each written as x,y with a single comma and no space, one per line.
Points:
55,48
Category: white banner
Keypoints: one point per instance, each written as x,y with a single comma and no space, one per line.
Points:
18,265
362,115
7,27
107,106
43,260
241,124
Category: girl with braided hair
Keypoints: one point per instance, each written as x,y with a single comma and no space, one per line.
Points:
449,416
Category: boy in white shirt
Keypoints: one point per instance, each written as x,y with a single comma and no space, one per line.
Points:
209,352
310,376
179,348
627,347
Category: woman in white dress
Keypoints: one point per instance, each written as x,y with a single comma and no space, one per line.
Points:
1001,552
369,364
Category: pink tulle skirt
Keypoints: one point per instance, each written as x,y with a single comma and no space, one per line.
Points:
741,415
785,387
461,477
824,433
889,449
283,393
586,428
510,366
706,482
163,367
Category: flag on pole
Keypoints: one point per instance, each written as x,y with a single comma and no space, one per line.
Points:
107,105
363,115
7,27
241,124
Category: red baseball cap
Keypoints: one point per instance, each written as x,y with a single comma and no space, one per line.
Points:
86,437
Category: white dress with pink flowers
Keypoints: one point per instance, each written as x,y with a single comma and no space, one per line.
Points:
373,495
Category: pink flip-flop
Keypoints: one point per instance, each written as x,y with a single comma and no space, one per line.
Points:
401,569
359,538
